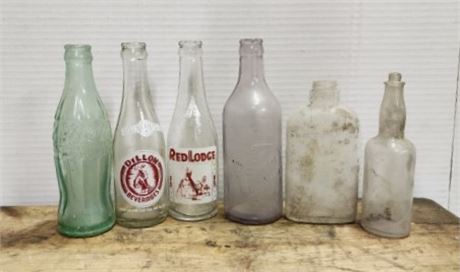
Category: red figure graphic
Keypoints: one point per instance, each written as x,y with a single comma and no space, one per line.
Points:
141,180
189,188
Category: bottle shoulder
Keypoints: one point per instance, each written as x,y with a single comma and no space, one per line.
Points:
396,145
246,99
325,119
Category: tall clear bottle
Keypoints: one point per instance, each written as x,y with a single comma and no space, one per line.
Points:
192,143
389,164
139,148
322,159
82,151
252,144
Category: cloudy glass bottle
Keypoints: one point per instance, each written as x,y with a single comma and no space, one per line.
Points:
192,143
389,164
322,159
139,148
82,151
252,144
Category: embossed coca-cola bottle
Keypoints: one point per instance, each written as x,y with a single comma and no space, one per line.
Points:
82,151
192,143
139,148
252,144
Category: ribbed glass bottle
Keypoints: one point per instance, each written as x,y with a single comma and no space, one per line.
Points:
82,151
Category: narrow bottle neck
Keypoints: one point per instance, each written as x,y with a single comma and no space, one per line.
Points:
191,83
324,96
79,75
251,70
135,81
392,112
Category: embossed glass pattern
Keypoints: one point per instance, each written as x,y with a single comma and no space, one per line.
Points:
252,144
82,151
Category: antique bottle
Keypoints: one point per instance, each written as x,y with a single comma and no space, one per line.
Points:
252,144
139,148
82,151
192,143
389,163
322,159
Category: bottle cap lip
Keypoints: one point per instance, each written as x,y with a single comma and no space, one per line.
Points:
324,84
252,46
77,51
190,47
394,79
133,45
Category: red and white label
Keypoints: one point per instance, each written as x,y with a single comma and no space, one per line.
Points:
141,178
192,175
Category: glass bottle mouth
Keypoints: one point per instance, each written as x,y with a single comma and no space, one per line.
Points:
77,51
250,47
133,45
324,84
133,50
394,79
190,48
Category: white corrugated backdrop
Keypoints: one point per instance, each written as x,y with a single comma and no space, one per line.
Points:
354,42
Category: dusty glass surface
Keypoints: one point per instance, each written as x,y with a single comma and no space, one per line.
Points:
141,191
389,165
82,151
192,143
322,159
252,144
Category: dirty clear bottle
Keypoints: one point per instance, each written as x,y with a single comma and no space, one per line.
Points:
252,144
82,151
389,164
139,148
192,143
322,159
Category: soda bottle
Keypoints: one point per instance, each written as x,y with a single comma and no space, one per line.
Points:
82,141
139,148
192,143
252,144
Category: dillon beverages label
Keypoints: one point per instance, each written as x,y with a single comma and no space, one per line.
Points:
193,175
141,178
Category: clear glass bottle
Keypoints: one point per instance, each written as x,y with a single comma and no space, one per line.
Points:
139,147
389,164
252,144
82,151
192,143
322,159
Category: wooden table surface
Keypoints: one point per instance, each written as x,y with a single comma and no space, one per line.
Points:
29,242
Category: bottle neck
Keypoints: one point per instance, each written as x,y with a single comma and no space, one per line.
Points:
135,81
79,75
251,70
324,94
393,111
191,83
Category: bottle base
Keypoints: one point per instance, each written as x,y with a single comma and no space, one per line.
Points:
137,224
383,234
74,232
321,220
251,221
184,217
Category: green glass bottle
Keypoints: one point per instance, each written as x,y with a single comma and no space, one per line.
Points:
82,151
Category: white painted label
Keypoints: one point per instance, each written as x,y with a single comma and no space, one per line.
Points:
193,175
